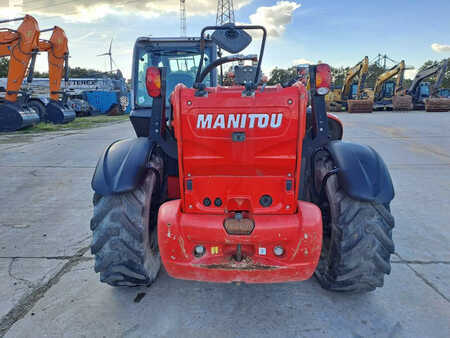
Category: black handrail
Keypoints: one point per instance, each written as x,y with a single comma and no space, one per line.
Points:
243,27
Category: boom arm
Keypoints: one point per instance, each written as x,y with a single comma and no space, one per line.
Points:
426,73
439,79
361,70
58,53
398,70
21,45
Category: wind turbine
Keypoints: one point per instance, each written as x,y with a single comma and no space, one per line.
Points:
109,53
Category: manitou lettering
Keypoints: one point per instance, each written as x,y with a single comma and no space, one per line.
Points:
222,121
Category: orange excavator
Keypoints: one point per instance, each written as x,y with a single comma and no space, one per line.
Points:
21,46
56,111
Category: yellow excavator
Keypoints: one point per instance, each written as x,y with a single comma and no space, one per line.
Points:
389,94
352,95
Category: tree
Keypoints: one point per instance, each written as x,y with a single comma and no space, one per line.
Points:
79,72
280,75
4,62
338,76
37,74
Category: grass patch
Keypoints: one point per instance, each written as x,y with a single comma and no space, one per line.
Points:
78,123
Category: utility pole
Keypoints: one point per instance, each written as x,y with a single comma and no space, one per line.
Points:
225,12
183,17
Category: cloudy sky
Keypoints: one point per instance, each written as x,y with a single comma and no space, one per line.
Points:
337,32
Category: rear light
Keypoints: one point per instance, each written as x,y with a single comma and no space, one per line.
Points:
239,226
323,78
153,81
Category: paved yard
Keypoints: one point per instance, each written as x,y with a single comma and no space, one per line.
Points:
49,287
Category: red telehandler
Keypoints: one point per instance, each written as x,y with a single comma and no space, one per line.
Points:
21,46
237,183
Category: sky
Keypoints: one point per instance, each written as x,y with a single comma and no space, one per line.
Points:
340,33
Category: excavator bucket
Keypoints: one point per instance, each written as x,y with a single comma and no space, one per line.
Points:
360,106
402,102
437,104
14,116
59,113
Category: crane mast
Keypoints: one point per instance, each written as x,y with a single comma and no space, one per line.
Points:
225,12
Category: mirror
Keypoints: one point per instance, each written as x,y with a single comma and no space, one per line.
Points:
231,40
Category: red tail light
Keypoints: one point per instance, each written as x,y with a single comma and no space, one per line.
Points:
153,81
323,78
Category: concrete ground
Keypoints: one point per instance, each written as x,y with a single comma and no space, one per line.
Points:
51,290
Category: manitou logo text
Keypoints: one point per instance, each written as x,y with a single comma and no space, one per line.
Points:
222,121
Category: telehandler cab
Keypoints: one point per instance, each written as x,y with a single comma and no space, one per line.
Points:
239,183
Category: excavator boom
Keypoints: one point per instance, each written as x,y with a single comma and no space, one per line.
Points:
435,103
398,70
439,78
396,99
22,46
357,104
58,54
426,73
361,69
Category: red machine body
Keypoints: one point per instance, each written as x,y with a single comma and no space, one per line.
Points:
240,155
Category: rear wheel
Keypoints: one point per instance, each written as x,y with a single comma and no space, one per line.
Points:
357,242
124,236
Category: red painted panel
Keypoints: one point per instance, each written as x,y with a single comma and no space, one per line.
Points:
214,162
300,235
173,187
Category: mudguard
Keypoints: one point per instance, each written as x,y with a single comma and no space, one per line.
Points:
363,173
122,166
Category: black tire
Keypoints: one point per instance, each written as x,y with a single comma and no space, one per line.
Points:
124,236
40,109
357,241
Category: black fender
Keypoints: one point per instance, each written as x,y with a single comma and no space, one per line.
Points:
362,172
122,166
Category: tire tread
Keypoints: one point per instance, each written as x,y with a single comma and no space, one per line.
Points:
360,252
118,243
